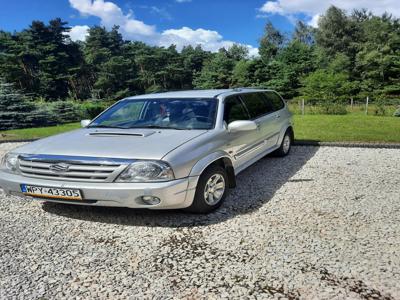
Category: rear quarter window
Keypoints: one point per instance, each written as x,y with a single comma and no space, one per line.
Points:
275,100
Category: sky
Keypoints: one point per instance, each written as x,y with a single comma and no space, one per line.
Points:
210,23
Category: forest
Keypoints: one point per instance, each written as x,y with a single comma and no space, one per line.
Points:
45,77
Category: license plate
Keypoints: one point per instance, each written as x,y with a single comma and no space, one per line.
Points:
51,193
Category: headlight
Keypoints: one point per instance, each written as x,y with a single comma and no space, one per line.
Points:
9,163
145,171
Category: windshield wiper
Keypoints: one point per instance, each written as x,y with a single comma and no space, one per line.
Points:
107,126
160,127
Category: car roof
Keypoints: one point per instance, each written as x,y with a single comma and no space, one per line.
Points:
195,93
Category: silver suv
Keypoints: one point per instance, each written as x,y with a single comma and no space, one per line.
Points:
158,151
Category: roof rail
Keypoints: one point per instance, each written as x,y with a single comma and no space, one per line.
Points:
247,88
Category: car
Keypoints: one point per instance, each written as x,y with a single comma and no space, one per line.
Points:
172,150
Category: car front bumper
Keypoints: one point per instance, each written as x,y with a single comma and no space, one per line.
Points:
173,194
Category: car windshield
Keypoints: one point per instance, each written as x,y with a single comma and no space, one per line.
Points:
166,113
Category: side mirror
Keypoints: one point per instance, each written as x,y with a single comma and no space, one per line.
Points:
85,123
237,126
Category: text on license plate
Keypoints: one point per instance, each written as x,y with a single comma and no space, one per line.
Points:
48,192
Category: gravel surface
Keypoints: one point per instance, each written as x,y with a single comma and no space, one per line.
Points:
322,223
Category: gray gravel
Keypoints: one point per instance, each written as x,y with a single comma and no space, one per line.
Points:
323,223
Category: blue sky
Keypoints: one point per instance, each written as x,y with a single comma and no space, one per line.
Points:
211,23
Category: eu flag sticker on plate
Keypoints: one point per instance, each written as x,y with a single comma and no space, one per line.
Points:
23,188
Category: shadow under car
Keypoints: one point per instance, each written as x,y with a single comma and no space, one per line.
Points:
255,187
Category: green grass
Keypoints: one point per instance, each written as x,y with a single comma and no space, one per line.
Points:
33,133
349,128
325,128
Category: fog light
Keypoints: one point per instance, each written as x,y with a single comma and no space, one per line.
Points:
151,200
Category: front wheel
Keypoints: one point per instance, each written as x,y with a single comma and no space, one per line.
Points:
286,144
211,190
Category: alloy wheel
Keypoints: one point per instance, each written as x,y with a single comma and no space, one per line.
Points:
214,189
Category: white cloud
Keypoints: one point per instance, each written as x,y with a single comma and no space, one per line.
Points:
162,12
110,14
79,33
208,39
314,21
271,7
315,8
183,1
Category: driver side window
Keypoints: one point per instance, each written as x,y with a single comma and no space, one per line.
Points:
234,110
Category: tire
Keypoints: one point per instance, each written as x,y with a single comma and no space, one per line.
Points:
286,144
213,173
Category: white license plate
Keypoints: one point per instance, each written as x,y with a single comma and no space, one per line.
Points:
51,193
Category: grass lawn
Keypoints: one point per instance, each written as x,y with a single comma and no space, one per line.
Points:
349,128
33,133
325,128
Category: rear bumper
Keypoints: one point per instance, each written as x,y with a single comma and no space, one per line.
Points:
173,194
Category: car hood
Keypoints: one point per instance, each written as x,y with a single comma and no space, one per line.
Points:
113,143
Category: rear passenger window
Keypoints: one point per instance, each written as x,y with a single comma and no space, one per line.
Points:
275,100
234,110
256,104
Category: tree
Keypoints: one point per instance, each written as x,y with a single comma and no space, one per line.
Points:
237,52
42,61
337,33
65,112
216,72
270,43
241,74
304,33
193,61
326,86
38,60
50,50
377,61
15,110
293,63
112,70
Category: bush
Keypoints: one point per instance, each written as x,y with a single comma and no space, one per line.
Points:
333,109
15,109
379,110
397,112
379,107
64,112
91,109
42,116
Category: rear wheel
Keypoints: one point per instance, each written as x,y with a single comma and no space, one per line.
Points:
211,190
286,144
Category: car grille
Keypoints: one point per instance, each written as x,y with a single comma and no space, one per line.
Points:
77,169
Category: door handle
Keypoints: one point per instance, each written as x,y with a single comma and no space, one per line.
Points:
277,116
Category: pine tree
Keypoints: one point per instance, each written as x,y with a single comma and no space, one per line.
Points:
65,112
15,110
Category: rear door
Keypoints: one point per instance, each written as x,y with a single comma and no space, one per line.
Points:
277,117
261,111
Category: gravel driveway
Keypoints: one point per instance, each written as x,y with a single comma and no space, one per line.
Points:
321,223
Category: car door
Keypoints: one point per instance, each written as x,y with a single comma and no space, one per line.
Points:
261,112
277,118
240,145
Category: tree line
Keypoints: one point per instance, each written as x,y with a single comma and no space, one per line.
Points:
349,55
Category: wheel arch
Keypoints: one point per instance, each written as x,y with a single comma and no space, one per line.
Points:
219,158
291,131
288,127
